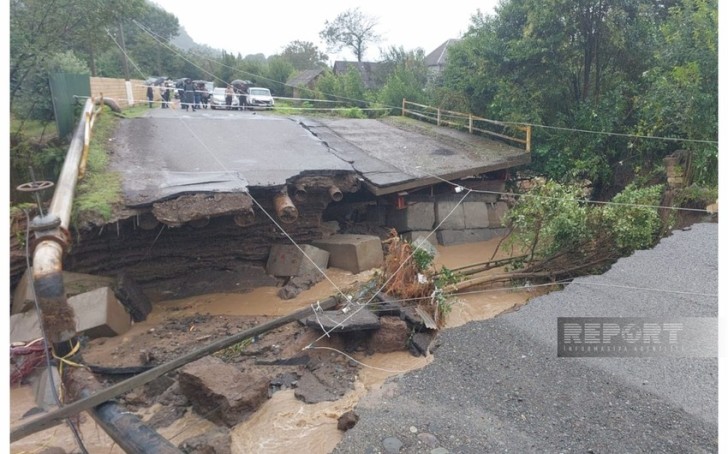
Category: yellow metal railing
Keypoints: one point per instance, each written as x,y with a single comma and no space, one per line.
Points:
90,117
469,122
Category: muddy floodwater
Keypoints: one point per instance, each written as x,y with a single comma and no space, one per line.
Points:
284,424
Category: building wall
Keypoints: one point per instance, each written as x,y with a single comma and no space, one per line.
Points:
116,90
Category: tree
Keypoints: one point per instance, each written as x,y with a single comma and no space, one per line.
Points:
352,30
681,95
573,64
148,44
278,71
304,55
406,76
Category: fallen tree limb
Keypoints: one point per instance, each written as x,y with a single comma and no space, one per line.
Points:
476,268
552,274
57,416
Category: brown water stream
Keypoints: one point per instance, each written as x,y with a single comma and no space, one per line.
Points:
284,424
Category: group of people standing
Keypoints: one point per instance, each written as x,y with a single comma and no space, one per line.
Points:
165,92
230,92
194,95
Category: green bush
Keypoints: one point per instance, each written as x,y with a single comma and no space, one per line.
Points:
633,218
554,219
550,218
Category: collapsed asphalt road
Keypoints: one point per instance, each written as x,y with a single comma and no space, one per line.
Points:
498,386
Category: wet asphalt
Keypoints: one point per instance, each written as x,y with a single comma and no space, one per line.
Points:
498,385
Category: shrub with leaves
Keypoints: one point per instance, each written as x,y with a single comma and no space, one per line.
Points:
566,236
633,219
550,218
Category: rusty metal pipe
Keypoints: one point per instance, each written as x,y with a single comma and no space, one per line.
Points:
58,318
62,201
128,431
245,218
335,193
300,193
285,209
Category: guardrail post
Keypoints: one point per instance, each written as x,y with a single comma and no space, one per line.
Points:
404,102
528,138
470,123
438,116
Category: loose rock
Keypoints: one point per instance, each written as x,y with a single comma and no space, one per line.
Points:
390,337
392,445
220,392
217,441
347,421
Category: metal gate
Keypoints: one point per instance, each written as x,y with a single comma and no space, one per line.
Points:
65,88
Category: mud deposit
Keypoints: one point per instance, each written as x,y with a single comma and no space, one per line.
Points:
336,371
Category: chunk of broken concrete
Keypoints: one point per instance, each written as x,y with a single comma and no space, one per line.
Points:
216,441
73,284
421,342
351,252
289,260
132,296
220,392
354,319
98,314
390,337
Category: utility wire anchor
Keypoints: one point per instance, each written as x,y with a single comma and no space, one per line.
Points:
45,221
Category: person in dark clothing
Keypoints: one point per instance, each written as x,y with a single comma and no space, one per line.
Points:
189,100
241,98
164,93
229,93
198,96
150,95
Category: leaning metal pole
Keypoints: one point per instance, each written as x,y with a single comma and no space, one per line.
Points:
51,244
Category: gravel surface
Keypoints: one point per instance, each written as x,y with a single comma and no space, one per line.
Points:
497,385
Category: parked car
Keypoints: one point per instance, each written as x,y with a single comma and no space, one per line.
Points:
217,100
258,97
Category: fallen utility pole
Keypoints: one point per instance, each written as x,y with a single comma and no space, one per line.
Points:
56,417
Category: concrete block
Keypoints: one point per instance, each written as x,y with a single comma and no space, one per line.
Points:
496,211
288,260
450,237
414,235
73,284
355,253
426,245
98,314
449,215
476,215
415,216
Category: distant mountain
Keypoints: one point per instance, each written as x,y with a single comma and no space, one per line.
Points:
185,42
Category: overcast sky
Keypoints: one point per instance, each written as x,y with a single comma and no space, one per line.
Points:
267,27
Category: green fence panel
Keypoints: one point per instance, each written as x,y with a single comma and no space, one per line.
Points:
67,91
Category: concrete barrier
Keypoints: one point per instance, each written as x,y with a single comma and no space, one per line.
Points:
355,253
73,283
98,314
415,216
288,260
